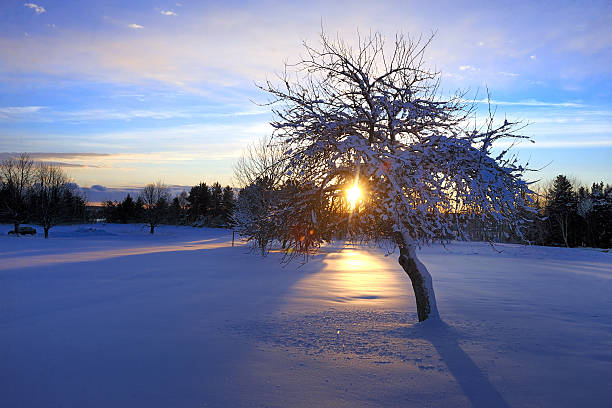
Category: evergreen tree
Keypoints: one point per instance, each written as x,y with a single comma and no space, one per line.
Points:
199,201
227,204
126,210
177,210
139,209
216,199
561,210
600,216
109,211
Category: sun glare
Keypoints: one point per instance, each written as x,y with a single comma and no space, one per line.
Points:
353,195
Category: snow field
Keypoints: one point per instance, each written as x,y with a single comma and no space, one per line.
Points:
107,315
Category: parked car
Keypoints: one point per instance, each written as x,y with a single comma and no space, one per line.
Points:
24,231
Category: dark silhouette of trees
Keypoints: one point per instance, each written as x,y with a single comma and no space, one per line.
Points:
562,213
16,177
210,206
216,198
599,216
125,211
227,204
199,202
52,198
561,210
42,194
203,206
156,199
179,209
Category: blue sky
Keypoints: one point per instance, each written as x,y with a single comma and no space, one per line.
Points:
125,93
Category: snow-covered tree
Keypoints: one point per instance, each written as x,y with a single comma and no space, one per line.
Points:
259,173
253,214
372,117
262,159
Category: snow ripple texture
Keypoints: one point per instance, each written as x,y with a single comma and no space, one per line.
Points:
382,337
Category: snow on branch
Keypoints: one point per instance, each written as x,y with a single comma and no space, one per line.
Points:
375,113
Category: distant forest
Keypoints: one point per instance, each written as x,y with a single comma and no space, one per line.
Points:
204,206
563,213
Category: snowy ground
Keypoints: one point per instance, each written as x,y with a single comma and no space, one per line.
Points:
109,316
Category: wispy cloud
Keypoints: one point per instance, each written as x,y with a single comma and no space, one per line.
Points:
38,9
219,44
562,144
531,102
14,112
92,115
78,160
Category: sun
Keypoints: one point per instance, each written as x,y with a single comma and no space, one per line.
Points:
353,195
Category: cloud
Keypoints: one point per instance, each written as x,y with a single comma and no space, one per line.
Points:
562,144
531,102
168,13
61,159
135,26
78,160
467,68
223,45
47,155
38,9
87,115
12,112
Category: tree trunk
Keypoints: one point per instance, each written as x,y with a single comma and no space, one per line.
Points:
564,225
16,228
422,283
152,229
46,232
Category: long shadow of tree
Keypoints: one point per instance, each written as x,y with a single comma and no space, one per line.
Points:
445,339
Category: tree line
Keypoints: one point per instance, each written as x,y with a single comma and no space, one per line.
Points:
560,213
44,195
571,215
37,193
204,206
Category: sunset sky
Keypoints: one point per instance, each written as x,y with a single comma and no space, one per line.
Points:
127,92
